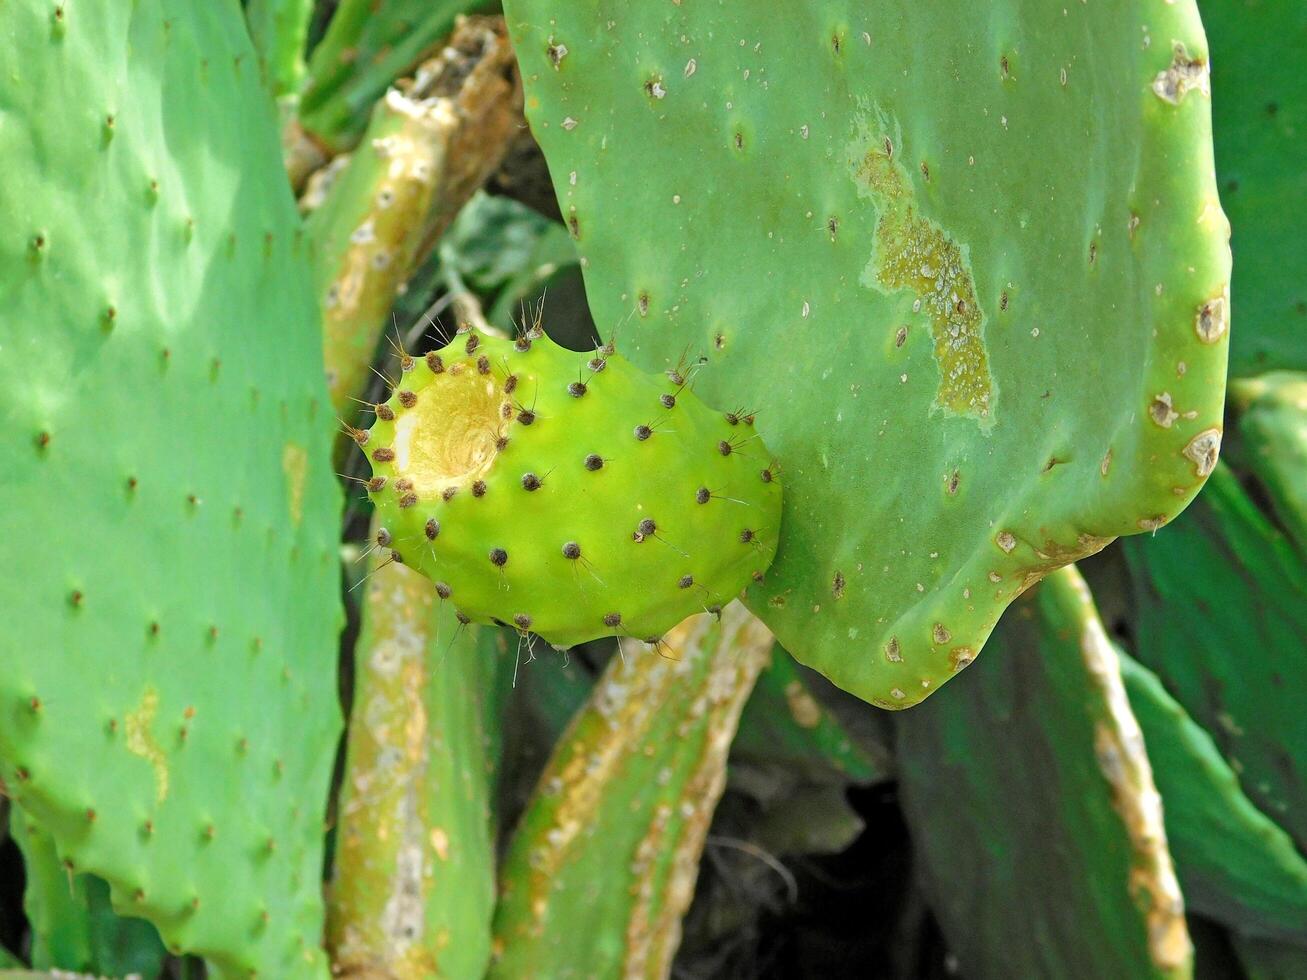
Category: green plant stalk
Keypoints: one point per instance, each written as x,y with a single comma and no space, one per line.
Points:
280,31
375,217
603,864
367,46
899,233
413,892
1033,809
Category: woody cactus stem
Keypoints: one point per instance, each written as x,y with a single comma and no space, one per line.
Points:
603,864
413,878
377,213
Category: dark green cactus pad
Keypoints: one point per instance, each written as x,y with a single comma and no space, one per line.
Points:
1221,617
1259,117
1272,443
568,494
168,709
1033,811
983,337
1236,865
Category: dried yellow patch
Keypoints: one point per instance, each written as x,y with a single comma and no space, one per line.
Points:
141,741
295,464
803,707
913,253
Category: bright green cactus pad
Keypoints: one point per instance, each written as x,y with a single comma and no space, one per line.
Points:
168,709
966,261
1259,115
1272,425
568,494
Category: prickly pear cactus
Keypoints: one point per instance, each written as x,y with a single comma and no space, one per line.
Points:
1272,425
982,338
568,494
168,708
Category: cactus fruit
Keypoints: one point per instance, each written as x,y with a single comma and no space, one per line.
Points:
1033,809
892,229
603,864
567,494
168,707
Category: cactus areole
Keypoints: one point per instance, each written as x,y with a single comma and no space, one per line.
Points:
570,495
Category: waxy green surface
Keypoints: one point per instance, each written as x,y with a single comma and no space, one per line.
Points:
168,709
982,337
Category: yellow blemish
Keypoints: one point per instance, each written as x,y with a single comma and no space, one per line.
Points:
448,438
295,463
912,252
140,741
803,707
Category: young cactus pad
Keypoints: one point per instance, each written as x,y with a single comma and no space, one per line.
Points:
967,261
568,494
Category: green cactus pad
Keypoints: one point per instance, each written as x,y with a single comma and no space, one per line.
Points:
1220,618
168,708
1033,810
966,261
1272,444
569,494
603,864
73,926
1236,865
1259,116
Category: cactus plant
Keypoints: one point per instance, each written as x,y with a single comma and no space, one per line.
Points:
956,277
200,595
638,771
896,265
655,507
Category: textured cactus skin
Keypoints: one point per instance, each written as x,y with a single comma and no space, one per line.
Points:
367,46
1236,865
413,887
166,435
73,927
602,866
1272,427
605,511
1259,113
1033,810
792,175
1220,618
